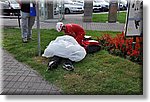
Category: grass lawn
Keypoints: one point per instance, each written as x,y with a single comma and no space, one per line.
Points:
98,73
104,17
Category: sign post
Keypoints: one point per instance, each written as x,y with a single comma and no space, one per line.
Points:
38,27
134,23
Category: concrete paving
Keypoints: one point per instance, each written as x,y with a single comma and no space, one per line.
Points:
20,79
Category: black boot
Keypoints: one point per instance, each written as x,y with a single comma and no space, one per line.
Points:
67,65
53,63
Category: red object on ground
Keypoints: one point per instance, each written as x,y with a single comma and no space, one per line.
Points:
86,43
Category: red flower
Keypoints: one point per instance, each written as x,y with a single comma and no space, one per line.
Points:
124,45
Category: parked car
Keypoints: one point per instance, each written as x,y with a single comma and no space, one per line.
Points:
9,4
3,6
72,7
100,5
56,10
123,5
79,2
97,6
12,4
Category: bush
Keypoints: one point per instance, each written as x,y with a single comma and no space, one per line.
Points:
122,46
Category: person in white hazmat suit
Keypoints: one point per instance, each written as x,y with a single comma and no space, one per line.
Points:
65,48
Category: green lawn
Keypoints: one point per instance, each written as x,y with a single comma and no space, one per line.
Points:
98,73
104,17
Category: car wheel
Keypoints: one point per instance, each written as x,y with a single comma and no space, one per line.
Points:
67,11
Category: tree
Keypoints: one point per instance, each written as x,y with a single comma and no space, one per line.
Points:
49,6
88,10
112,16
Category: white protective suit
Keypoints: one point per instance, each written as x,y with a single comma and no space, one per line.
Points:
67,47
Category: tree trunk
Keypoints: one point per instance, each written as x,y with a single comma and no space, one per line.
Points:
112,16
88,10
49,4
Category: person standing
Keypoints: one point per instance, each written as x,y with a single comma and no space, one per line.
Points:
27,20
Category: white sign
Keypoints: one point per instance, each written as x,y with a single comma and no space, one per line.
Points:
134,23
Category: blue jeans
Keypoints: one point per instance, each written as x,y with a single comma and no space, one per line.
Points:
27,22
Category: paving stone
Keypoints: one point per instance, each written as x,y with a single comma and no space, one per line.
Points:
15,78
16,85
48,86
36,85
42,86
31,92
9,78
28,78
11,91
10,84
26,73
20,73
11,73
24,92
32,75
12,70
5,83
55,93
20,79
5,91
39,79
17,92
33,79
46,92
29,85
54,88
23,85
38,92
5,77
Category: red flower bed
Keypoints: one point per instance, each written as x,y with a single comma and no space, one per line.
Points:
122,46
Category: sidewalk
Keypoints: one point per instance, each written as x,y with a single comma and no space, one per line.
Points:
20,79
50,24
86,26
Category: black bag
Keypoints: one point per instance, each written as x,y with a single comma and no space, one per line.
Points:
93,48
